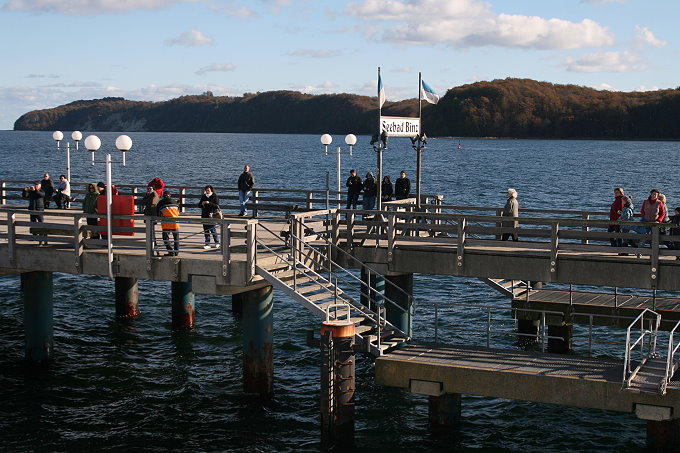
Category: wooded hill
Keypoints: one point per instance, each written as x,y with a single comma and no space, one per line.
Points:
500,108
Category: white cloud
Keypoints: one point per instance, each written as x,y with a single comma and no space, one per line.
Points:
606,62
472,23
403,69
645,88
643,35
190,38
322,53
216,67
605,87
88,6
326,87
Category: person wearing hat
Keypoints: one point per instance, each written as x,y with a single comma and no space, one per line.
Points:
615,214
511,209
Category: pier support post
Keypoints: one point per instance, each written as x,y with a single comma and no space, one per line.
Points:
560,346
258,358
237,304
527,327
127,297
337,384
369,297
444,410
663,435
38,316
182,305
400,317
22,281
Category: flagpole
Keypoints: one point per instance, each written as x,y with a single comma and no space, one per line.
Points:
420,135
379,163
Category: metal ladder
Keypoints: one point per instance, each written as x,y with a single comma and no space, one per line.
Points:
509,288
309,276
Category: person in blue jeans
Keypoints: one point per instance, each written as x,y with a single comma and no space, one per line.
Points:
245,185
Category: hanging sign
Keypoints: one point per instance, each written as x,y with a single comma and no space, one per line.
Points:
399,126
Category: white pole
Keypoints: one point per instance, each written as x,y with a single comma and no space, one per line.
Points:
68,161
109,241
339,169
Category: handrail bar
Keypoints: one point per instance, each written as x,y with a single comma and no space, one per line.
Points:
670,363
629,374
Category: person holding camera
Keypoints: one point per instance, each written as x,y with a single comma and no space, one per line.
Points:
36,202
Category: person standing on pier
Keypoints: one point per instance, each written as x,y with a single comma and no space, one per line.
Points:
652,210
63,195
209,204
354,185
511,209
628,215
370,191
150,201
386,189
90,207
47,187
402,186
36,202
245,185
615,214
168,208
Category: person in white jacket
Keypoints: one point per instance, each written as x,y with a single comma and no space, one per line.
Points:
63,195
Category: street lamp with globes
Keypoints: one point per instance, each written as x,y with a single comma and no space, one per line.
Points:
123,143
76,136
326,140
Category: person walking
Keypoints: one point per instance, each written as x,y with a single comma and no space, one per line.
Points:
36,202
48,187
245,184
90,207
63,195
511,209
402,186
354,186
386,189
210,205
615,214
167,208
370,191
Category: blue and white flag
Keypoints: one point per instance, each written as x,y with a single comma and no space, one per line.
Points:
428,93
381,92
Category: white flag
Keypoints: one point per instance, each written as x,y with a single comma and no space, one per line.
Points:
428,93
381,92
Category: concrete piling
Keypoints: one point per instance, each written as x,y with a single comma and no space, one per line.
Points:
529,329
127,297
562,346
444,410
400,316
38,316
338,384
182,305
257,321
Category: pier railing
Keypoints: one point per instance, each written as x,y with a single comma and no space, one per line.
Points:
645,341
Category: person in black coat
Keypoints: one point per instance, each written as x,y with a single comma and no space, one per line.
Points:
47,186
370,191
246,182
402,187
36,202
209,204
354,186
386,189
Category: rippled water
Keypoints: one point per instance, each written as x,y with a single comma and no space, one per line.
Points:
138,386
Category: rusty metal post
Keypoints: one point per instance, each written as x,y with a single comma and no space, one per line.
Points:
258,351
38,316
444,410
182,305
337,384
127,297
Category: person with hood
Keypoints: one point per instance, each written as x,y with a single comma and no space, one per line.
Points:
370,191
36,202
149,201
386,189
615,214
90,207
354,185
158,185
210,206
169,209
48,187
511,209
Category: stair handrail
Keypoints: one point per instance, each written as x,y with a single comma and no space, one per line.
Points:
650,334
337,316
670,362
328,242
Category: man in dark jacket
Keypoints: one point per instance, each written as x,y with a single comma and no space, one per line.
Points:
36,202
47,186
354,186
370,191
402,187
245,185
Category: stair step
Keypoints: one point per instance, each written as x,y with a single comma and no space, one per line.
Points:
320,296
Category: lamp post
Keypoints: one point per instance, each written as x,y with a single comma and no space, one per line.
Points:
379,144
58,136
418,143
326,140
123,143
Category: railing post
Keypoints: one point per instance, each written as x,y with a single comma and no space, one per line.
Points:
460,248
77,241
391,234
256,194
554,245
11,237
350,230
436,323
310,201
149,235
251,247
182,199
335,231
585,228
226,253
3,193
654,255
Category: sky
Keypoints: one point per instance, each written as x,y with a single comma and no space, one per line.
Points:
59,51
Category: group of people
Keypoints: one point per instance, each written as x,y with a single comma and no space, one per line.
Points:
369,188
60,192
654,209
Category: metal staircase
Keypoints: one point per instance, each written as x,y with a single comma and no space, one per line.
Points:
509,288
307,273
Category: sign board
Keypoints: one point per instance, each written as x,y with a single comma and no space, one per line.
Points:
399,126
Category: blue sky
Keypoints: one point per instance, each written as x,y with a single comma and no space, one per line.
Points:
58,51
